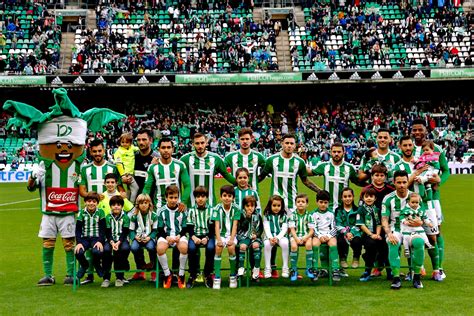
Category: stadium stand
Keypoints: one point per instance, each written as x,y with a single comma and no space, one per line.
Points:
390,35
175,39
30,39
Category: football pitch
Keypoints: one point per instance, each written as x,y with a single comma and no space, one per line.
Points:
21,268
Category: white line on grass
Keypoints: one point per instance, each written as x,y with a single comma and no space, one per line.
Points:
18,202
18,209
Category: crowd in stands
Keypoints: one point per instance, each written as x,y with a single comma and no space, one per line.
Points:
392,35
316,126
30,38
195,37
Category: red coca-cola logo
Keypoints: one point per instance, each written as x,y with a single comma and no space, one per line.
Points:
62,199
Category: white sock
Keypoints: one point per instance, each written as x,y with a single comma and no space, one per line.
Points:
284,251
164,264
182,263
268,253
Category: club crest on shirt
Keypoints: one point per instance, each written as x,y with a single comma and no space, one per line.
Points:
75,177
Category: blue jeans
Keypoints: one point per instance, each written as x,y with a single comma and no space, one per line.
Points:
194,255
136,248
119,257
89,243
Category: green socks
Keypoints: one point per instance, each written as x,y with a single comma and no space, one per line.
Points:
418,254
334,257
440,251
217,266
232,265
70,262
434,256
257,255
48,255
309,259
294,260
315,257
241,258
394,259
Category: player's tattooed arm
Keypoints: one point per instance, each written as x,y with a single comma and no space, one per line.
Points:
311,185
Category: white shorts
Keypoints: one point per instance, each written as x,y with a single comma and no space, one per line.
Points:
182,239
439,211
431,214
51,225
398,235
225,240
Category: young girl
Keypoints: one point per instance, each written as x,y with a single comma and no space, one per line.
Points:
124,158
143,230
243,188
249,232
347,231
275,225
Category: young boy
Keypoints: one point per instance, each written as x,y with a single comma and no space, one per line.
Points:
249,232
111,182
226,216
116,247
368,220
90,234
201,235
325,233
301,229
172,233
379,176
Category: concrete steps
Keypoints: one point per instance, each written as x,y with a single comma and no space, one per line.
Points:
283,51
67,44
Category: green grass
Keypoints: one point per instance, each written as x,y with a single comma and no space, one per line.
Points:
21,268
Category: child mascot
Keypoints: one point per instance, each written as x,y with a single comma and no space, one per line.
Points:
61,138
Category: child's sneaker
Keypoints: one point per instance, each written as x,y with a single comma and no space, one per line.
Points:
293,276
344,264
417,282
190,282
68,280
118,283
376,273
275,274
89,279
409,276
443,275
316,273
241,271
323,273
267,274
355,263
167,282
437,276
153,277
138,276
200,278
423,271
216,285
343,273
255,273
309,273
336,277
365,277
46,281
106,283
181,282
233,282
285,272
396,283
209,281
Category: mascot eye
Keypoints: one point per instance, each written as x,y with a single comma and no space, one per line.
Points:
58,145
69,145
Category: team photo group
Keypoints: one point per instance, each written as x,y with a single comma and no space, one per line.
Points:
148,201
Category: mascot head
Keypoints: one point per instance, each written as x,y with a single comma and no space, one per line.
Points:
62,131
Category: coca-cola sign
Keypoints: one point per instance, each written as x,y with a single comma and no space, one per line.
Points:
62,199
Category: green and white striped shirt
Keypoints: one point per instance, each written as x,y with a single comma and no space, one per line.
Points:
285,172
162,176
251,162
392,205
301,223
389,160
249,225
202,171
200,219
241,194
277,225
90,221
336,178
68,179
92,176
171,221
116,224
410,168
225,218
